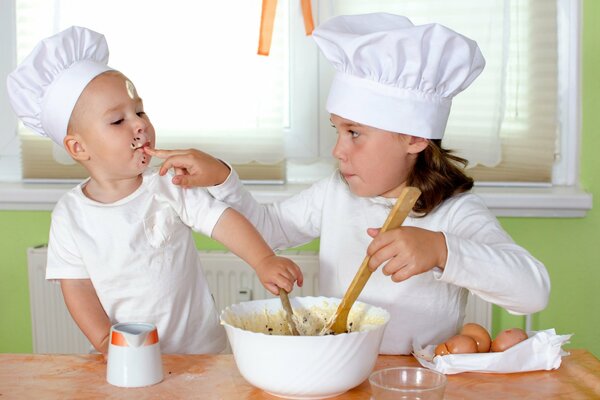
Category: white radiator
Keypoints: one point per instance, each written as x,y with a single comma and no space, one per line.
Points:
230,281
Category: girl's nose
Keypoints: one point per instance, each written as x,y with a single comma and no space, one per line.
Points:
338,149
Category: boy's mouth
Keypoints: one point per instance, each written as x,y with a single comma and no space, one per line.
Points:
139,141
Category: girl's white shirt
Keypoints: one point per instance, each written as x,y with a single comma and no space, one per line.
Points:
142,260
427,308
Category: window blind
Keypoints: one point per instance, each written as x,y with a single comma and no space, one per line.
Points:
195,65
505,123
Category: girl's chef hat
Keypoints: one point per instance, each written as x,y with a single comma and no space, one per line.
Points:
393,75
44,88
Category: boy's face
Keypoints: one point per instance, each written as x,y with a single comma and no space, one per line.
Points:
112,127
374,162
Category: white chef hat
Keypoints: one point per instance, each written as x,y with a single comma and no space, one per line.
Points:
44,88
393,75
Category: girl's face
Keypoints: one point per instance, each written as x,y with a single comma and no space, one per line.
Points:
374,162
113,128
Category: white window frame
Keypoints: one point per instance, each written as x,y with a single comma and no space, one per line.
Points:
564,198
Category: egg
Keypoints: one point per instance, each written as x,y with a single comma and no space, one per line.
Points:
479,334
441,350
507,339
461,344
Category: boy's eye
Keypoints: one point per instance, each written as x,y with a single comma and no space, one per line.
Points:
117,122
139,114
354,134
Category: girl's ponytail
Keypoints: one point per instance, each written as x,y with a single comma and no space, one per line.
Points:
439,175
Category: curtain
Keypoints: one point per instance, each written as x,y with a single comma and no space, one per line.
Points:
505,123
195,66
193,63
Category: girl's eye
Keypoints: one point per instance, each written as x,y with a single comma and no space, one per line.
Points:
354,134
141,113
118,122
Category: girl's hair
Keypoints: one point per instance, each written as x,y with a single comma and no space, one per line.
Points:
439,175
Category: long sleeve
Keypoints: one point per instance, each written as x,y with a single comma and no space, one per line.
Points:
290,222
484,259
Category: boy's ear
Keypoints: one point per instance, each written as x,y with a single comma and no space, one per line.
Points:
417,144
75,148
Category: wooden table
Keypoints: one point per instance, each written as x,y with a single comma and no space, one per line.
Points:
35,376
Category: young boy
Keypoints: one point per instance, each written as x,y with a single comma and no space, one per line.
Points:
120,242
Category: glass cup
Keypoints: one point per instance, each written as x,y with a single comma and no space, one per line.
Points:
409,383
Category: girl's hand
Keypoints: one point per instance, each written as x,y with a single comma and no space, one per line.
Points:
277,272
410,251
192,167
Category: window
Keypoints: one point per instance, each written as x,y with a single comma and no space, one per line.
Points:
195,64
506,122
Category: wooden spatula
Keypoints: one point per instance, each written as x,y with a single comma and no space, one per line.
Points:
287,309
403,206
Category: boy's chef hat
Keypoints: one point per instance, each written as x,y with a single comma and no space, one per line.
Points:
44,88
393,75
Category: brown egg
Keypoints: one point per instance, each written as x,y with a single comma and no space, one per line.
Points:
479,334
508,338
441,350
461,344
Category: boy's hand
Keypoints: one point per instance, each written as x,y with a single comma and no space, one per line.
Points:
277,272
192,167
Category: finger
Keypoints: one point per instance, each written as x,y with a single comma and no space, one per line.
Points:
283,283
164,154
393,265
373,232
402,274
384,239
382,255
178,161
299,276
272,288
180,171
289,275
186,181
177,180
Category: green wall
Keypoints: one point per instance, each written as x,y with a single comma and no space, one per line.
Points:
570,248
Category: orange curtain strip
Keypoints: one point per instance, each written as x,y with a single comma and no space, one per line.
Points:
267,20
309,26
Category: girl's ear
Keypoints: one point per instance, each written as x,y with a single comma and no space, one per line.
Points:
417,144
75,148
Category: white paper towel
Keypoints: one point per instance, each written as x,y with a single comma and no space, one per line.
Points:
541,351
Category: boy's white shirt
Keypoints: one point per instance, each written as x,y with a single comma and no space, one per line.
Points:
427,308
142,260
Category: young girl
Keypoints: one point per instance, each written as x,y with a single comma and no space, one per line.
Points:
121,242
389,103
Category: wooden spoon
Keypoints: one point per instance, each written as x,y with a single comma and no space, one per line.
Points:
287,307
403,206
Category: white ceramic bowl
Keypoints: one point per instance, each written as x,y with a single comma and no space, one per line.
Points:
304,367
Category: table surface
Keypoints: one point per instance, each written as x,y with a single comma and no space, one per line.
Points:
48,376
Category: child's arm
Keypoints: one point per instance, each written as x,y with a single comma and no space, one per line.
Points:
192,167
85,308
240,236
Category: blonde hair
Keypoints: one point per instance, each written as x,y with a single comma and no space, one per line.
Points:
439,175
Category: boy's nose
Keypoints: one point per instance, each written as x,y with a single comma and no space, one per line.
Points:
140,125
